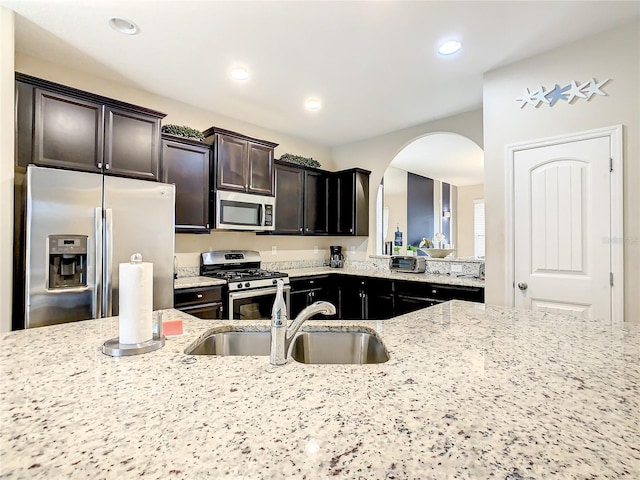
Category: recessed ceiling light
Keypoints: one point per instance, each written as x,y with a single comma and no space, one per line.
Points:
313,104
450,47
240,73
123,25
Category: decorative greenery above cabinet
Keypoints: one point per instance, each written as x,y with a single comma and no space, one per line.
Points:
242,163
64,127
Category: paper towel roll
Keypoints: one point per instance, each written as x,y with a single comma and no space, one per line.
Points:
136,302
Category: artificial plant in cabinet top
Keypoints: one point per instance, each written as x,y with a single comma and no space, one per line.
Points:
243,163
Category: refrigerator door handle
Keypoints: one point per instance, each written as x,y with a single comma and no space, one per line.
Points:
96,310
108,264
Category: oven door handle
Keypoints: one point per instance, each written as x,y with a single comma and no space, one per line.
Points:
258,292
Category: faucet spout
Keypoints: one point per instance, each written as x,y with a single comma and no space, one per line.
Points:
325,308
281,334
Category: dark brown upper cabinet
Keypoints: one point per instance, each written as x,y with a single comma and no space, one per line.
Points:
63,127
316,202
242,163
289,218
348,202
301,200
186,163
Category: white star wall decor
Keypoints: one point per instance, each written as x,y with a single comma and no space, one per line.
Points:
568,93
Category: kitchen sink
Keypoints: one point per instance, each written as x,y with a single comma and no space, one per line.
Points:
337,346
232,342
358,345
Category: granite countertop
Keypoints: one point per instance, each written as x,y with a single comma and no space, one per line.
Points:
470,391
194,282
413,277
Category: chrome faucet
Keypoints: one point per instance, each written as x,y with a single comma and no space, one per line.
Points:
281,334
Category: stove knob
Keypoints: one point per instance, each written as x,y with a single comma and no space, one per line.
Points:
247,284
274,281
239,285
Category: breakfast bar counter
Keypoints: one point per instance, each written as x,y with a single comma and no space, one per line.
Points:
469,391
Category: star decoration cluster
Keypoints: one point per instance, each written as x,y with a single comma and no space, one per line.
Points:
568,93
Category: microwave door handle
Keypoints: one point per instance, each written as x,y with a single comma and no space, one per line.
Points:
262,214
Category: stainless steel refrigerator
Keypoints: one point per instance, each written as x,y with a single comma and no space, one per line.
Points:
78,228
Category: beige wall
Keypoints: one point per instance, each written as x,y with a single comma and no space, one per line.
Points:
7,88
615,55
376,153
465,197
395,198
177,112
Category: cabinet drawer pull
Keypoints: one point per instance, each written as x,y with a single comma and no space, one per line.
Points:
434,291
199,295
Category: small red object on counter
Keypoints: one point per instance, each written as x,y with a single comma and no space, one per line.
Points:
172,327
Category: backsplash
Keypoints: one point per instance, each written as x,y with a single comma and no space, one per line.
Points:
468,268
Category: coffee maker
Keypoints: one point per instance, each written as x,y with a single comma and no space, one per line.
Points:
336,259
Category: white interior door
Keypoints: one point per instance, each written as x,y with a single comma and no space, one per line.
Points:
562,228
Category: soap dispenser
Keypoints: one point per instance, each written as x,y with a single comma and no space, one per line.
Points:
279,323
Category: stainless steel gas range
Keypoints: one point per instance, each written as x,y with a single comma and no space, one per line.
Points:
251,289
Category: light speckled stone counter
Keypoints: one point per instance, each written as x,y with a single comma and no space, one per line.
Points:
469,392
414,277
193,282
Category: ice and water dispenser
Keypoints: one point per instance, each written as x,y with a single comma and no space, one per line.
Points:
67,256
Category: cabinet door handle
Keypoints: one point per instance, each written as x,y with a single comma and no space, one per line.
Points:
301,229
99,165
199,295
307,229
107,166
351,230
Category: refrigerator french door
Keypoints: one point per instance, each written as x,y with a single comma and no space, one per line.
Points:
79,227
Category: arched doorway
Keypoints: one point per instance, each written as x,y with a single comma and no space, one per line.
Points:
430,187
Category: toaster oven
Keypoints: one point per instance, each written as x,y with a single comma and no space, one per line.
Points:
408,264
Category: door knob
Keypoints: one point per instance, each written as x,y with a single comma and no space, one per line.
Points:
523,286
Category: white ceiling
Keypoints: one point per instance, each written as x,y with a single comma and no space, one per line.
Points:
373,64
447,157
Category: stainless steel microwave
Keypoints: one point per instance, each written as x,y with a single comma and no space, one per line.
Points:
244,211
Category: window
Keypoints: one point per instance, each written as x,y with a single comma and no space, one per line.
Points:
478,227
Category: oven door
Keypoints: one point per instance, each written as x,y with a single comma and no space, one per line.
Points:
255,304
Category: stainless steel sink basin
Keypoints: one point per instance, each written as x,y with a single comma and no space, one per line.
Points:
358,346
232,342
335,346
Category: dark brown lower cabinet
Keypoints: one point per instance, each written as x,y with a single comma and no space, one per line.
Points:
308,290
371,298
201,302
